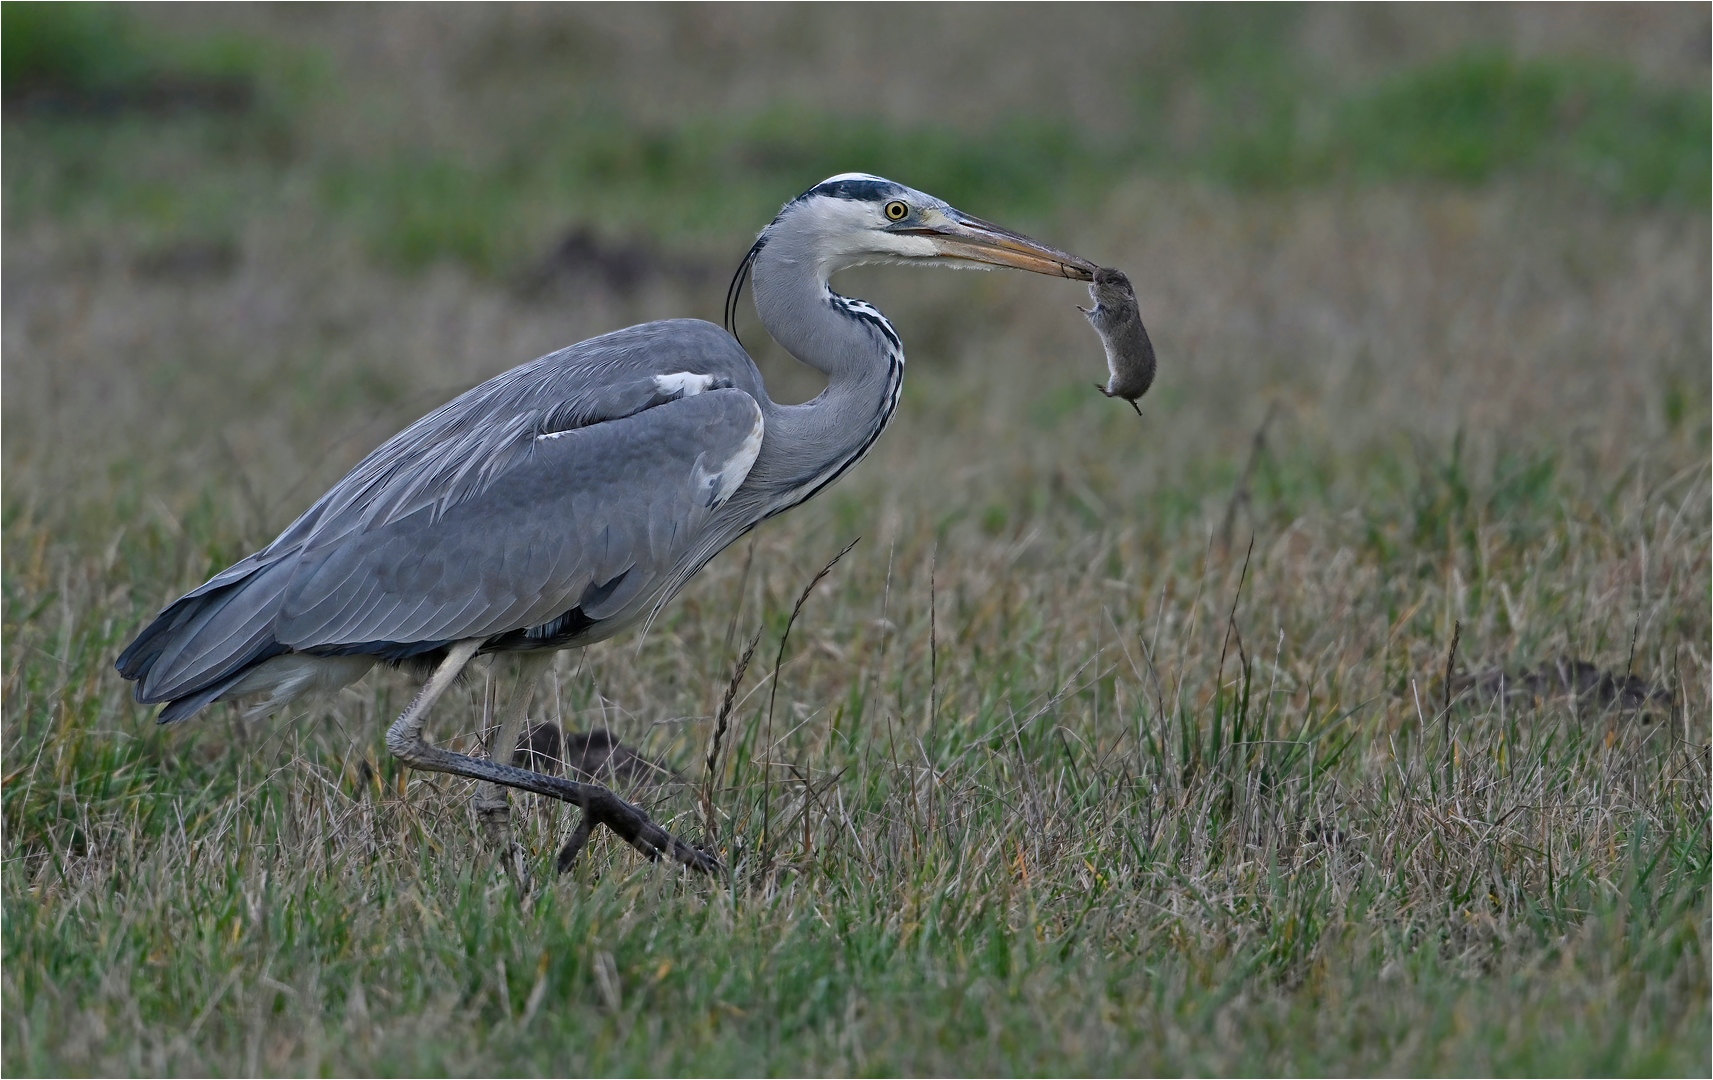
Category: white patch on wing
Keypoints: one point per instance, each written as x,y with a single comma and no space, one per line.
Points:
684,383
729,475
674,385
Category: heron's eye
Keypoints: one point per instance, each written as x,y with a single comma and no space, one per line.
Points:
896,211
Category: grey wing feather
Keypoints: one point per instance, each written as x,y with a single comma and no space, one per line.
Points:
579,512
456,451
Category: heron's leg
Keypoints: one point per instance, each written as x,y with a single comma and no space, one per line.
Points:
404,738
599,805
492,806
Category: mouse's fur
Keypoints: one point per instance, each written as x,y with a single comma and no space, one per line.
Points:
1129,353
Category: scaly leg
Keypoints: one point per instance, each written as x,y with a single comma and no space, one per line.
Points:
492,805
599,806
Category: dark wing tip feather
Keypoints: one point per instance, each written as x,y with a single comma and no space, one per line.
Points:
153,640
184,708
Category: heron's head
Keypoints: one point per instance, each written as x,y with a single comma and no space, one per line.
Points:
856,218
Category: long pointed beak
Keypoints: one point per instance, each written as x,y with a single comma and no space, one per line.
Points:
974,240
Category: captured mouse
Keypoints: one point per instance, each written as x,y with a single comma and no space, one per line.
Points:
1129,353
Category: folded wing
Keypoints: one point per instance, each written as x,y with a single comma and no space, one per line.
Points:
557,495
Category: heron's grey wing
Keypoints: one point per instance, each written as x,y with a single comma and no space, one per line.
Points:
455,451
587,518
451,456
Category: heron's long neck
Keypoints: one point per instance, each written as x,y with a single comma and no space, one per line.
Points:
807,446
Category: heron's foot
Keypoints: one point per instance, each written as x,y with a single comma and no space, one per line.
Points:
574,846
516,861
634,827
600,805
496,816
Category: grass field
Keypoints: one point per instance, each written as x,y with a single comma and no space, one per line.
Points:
1115,745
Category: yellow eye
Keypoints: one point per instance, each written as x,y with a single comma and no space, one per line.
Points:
896,211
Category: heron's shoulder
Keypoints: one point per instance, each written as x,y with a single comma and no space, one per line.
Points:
652,345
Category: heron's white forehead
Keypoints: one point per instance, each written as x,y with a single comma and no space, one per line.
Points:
856,176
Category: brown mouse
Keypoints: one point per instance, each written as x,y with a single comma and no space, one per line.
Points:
1129,353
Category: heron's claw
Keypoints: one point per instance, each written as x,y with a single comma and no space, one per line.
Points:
574,846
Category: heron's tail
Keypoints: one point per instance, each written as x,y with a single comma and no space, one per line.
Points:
207,640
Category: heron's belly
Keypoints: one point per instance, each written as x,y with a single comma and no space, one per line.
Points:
277,682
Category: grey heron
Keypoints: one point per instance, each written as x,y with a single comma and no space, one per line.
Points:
568,499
